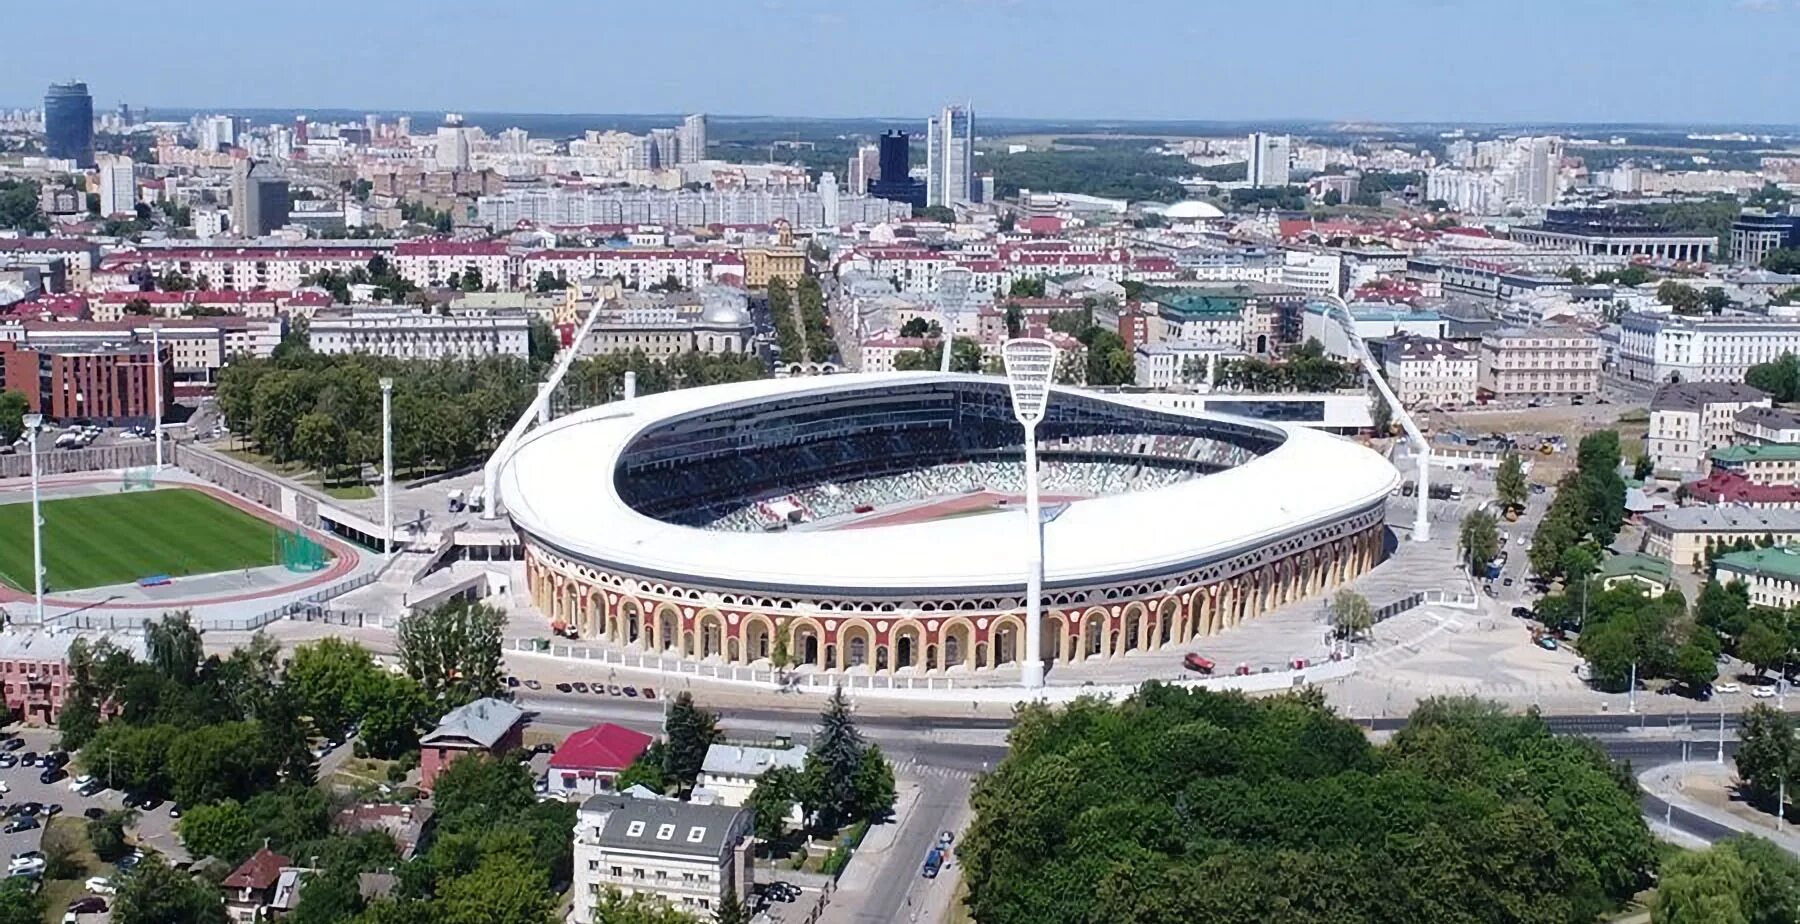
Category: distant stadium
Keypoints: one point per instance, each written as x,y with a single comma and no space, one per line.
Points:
875,522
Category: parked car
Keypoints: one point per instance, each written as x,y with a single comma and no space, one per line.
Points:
649,692
1763,692
52,775
93,813
934,861
533,685
579,686
631,692
91,788
100,884
21,823
612,689
80,781
564,688
88,904
1727,688
1194,661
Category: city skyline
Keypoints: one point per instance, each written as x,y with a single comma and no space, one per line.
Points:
1538,63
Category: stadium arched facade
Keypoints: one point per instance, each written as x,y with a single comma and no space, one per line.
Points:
711,523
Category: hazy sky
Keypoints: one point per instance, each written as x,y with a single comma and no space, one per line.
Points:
1498,60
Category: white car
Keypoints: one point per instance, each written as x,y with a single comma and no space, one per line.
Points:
1763,692
80,781
100,885
1727,688
4,788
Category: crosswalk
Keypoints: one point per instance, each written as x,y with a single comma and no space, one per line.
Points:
912,767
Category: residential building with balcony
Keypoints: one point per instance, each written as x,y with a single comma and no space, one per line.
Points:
411,333
686,854
1540,362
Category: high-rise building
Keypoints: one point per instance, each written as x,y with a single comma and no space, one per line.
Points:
1268,160
895,182
259,199
69,123
217,133
665,148
950,157
1542,174
452,144
828,198
865,166
691,139
118,187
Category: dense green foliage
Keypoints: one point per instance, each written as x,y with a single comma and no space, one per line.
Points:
1510,486
453,651
282,818
19,207
1308,369
1741,879
1784,260
156,893
1113,172
690,732
789,341
1779,377
845,778
811,301
1185,805
20,902
1587,511
1478,540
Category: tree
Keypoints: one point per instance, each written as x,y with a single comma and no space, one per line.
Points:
646,771
1773,891
174,647
779,655
549,282
1027,288
1697,661
1763,646
501,890
453,651
777,789
1510,487
394,710
1351,614
1723,608
1782,260
543,342
107,833
156,893
1333,197
475,789
938,213
1479,540
830,792
1643,468
221,829
690,732
914,327
874,784
1679,296
1704,887
1015,320
730,910
13,406
613,908
1715,299
1767,750
1779,377
20,902
330,678
225,760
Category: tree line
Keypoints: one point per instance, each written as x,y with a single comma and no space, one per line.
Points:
1181,805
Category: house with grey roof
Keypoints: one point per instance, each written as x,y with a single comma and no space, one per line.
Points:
492,726
730,771
686,854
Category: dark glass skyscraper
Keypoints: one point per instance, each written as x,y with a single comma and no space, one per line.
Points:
895,182
69,123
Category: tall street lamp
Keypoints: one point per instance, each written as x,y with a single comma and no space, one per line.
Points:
1029,364
387,465
32,423
157,387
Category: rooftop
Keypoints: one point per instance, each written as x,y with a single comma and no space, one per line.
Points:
1774,452
1726,519
743,760
663,826
1728,487
603,747
1774,418
1781,561
483,722
1693,396
1638,564
261,871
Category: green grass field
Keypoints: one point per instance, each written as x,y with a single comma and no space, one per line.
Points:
117,538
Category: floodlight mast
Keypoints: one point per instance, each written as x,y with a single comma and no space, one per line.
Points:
1029,364
33,423
1340,312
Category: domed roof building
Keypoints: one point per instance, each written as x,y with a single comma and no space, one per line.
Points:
1192,210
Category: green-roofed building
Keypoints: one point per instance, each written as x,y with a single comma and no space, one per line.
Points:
1212,314
1654,575
1772,575
1771,463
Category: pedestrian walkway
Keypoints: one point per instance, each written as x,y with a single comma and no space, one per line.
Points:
1682,784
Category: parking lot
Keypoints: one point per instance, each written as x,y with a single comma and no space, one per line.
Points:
154,830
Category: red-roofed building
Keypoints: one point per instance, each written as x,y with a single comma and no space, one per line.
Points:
1042,225
51,308
1727,487
591,759
250,889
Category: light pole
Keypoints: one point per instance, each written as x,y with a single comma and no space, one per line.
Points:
1029,364
387,465
32,423
157,399
1340,311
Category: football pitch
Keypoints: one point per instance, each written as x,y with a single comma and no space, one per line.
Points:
118,538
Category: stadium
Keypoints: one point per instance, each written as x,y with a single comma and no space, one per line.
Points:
874,522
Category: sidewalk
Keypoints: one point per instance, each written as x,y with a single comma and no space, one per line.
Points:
1674,783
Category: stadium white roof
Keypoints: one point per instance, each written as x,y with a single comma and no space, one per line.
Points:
558,486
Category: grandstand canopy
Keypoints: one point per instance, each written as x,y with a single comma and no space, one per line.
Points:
561,487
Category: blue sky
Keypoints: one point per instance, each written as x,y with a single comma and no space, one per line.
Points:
1496,60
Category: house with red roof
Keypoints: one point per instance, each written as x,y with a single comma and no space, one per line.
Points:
591,760
249,891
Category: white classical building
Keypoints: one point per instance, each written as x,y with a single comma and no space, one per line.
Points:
1429,372
730,772
1539,362
1175,363
1673,348
410,333
715,319
686,854
1690,419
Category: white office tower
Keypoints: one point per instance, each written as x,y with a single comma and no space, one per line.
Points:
950,157
1268,160
217,133
118,188
452,144
1543,166
865,166
692,139
515,141
828,197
